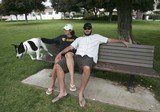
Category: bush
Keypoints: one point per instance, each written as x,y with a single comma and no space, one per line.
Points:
155,17
78,16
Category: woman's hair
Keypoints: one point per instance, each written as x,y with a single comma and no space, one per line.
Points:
72,32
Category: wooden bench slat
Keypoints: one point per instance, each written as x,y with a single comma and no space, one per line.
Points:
127,49
139,57
102,51
126,59
109,49
127,63
130,45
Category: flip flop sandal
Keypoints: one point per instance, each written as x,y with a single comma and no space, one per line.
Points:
57,98
72,88
49,91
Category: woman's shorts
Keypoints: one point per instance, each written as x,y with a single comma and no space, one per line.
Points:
79,62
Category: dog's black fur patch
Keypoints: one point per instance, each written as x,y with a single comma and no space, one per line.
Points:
33,46
21,48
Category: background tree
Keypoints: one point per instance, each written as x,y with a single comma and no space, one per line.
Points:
65,5
91,5
141,6
109,6
124,9
16,7
1,10
124,12
9,7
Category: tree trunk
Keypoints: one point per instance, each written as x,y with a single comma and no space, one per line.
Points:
16,17
95,10
41,16
26,18
85,13
110,15
125,20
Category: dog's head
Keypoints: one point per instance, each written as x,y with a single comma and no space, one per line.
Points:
20,50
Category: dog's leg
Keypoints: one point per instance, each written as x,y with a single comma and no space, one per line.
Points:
38,57
32,57
41,55
49,53
45,48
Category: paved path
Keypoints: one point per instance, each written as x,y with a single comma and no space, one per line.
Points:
104,91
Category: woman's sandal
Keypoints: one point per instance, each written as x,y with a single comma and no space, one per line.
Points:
49,91
58,98
72,88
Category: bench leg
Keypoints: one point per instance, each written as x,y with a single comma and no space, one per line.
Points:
130,84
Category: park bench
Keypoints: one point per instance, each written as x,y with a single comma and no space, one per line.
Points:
115,57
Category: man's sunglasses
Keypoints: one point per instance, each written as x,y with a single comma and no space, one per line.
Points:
87,28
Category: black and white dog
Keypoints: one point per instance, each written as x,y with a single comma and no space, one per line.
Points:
31,47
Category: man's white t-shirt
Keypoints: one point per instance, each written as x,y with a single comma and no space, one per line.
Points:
89,45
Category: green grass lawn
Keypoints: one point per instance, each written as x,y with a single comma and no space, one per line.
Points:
18,97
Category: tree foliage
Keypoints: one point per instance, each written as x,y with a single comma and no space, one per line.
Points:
1,10
9,7
21,6
65,5
142,5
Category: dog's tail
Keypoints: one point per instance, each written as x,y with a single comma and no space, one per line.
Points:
48,41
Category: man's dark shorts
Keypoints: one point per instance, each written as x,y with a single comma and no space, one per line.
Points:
79,62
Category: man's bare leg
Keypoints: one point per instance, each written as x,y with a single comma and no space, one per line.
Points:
84,81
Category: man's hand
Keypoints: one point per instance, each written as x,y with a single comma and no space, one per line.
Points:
125,43
58,57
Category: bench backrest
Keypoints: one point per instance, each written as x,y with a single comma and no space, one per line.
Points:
137,55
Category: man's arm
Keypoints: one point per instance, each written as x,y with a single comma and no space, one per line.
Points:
66,49
118,41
